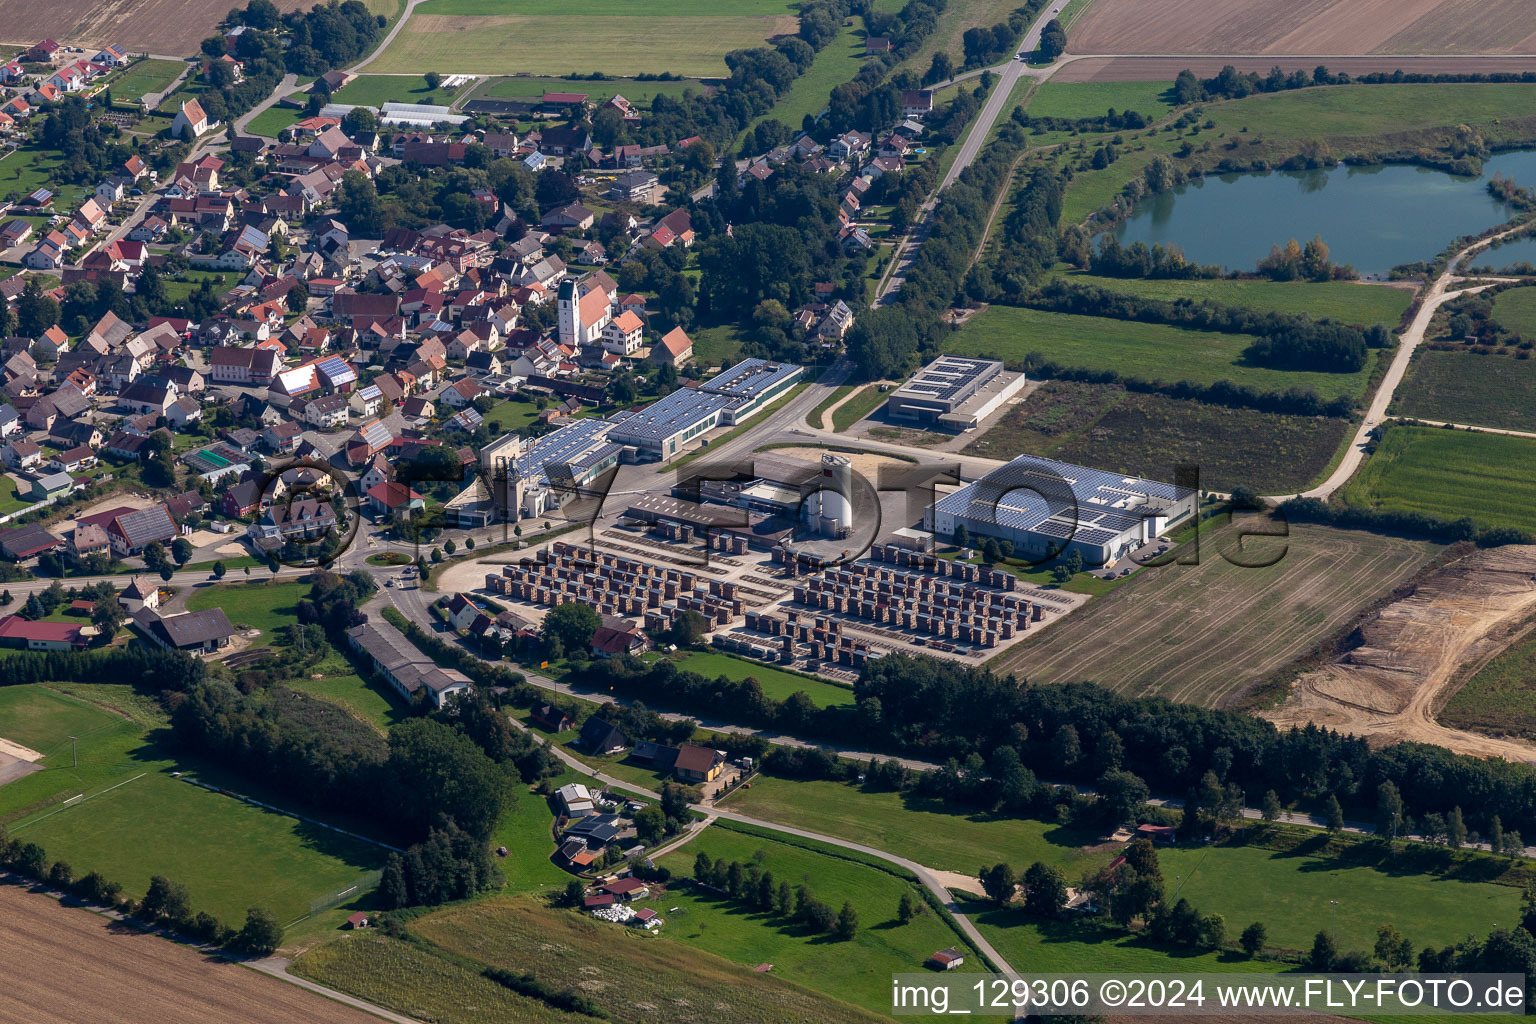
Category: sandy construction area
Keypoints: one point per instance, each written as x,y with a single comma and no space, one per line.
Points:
866,464
19,751
1305,27
1166,69
1386,689
64,966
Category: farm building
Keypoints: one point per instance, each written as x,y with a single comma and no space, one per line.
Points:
195,632
16,631
1048,508
402,665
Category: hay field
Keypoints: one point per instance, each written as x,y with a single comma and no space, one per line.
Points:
1204,633
619,37
1155,27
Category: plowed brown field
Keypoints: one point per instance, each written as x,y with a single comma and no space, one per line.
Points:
169,27
1305,27
1165,69
65,966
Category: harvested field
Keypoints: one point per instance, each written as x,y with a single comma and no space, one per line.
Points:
1166,69
64,966
1205,633
168,27
1386,689
1306,26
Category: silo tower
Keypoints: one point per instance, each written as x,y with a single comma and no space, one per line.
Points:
831,506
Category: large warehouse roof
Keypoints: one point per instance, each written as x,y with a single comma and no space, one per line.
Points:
947,378
1059,499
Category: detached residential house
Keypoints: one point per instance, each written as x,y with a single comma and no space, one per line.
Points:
131,532
675,347
624,334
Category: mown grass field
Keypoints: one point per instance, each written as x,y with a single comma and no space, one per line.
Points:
375,90
857,970
928,831
1078,100
230,854
1516,310
1149,351
1204,633
1290,893
1348,301
147,76
857,407
260,605
630,975
1468,387
1499,698
775,683
137,821
522,87
1349,118
420,984
1102,425
1488,478
273,120
490,36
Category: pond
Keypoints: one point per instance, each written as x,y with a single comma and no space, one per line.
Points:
1372,217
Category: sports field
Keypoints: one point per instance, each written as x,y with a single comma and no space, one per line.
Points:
619,37
1147,435
1348,301
1149,351
858,970
1469,387
1204,633
925,830
1450,474
230,855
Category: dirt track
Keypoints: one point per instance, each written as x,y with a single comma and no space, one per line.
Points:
1305,26
1386,689
1165,69
65,966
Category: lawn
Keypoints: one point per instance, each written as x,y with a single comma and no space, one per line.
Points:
1499,698
262,605
776,683
837,395
270,122
230,854
147,76
511,414
857,970
1208,632
1486,390
1449,474
11,498
641,94
925,830
178,288
713,345
1078,100
376,90
1349,301
488,37
1349,118
1149,351
835,63
29,168
857,407
1290,893
1104,425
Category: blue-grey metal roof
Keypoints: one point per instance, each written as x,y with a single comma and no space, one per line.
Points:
563,445
749,378
678,411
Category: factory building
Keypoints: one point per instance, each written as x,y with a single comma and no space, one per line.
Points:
1045,508
663,429
953,393
531,478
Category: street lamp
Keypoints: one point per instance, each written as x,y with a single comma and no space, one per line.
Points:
1335,905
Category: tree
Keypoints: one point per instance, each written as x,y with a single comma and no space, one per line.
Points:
1389,810
1123,794
962,536
1045,890
905,910
1324,953
575,893
847,923
107,615
1334,814
650,824
1272,808
166,899
573,624
181,550
219,570
262,934
1393,948
1456,829
1053,41
1253,938
450,546
392,888
359,119
999,881
1495,835
433,80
